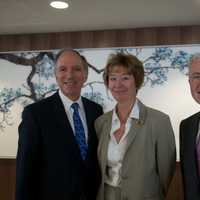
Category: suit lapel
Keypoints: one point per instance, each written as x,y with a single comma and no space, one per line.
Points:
89,118
60,115
134,130
136,125
195,126
191,136
192,131
65,130
104,140
87,113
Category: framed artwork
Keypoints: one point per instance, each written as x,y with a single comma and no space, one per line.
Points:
27,77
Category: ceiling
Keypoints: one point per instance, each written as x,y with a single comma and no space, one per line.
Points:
36,16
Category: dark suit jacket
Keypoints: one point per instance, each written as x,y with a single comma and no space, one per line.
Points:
49,164
188,134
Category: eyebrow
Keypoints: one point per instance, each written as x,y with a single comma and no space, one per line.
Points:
117,74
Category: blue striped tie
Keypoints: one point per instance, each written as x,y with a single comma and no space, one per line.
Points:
79,131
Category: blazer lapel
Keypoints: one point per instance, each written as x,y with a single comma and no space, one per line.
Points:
136,125
104,141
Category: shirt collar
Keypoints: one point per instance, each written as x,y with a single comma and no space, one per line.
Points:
134,114
68,102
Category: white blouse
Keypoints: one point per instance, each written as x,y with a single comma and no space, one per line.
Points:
116,151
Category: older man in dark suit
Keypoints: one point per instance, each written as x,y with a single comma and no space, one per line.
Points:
56,156
190,138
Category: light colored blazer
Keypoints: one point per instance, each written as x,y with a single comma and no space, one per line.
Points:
149,162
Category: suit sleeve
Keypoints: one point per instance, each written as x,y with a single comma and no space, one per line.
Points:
27,162
165,153
96,126
181,153
181,140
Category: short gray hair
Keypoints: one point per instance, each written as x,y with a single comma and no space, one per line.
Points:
193,57
83,59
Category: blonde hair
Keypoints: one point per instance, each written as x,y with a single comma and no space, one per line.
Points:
129,62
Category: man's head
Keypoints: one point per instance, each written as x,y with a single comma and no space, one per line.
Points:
71,73
194,76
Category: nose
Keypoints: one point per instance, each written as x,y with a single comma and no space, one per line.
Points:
118,83
70,74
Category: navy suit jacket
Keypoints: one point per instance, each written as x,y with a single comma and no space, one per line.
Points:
49,164
191,179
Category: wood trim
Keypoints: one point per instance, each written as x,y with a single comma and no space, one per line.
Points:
176,188
102,39
8,175
7,179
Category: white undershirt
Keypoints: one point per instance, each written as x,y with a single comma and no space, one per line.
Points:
69,111
116,150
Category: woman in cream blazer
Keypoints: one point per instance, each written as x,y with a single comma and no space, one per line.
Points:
136,151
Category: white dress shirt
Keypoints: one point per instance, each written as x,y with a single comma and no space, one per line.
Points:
69,111
117,150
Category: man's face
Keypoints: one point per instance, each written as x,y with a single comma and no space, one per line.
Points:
194,79
70,74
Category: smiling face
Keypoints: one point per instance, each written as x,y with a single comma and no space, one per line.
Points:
194,79
70,74
122,84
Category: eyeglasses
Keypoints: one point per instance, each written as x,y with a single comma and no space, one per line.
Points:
195,76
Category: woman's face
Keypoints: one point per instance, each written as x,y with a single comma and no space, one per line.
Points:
122,85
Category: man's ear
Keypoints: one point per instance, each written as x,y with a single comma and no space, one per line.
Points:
86,76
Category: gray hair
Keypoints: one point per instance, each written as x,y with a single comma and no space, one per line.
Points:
83,59
195,56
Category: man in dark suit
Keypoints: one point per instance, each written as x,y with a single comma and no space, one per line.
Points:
189,138
50,164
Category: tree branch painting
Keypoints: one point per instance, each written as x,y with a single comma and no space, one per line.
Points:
157,66
38,82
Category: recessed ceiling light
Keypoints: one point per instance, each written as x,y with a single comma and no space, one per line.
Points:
59,4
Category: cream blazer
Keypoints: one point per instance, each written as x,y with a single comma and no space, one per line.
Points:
149,162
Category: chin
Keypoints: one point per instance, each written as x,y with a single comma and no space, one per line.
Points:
120,100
